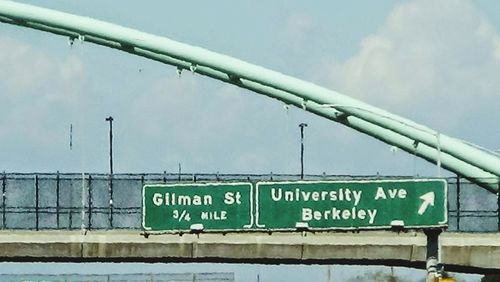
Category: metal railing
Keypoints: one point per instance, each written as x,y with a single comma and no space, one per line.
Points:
39,201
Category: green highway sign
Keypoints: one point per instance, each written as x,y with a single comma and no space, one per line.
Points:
201,207
275,206
368,204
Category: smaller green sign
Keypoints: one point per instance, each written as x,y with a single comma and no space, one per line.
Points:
207,207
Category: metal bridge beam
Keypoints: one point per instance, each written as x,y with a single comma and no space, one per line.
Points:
455,155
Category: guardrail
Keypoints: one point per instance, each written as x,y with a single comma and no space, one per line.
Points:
39,201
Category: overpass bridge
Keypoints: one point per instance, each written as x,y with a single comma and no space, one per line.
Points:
97,217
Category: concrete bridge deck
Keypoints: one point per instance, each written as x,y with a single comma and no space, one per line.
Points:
465,252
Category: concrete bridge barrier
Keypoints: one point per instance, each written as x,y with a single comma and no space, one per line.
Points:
466,252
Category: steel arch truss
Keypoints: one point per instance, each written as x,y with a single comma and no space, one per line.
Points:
477,164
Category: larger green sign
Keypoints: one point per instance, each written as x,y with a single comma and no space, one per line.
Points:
351,204
203,207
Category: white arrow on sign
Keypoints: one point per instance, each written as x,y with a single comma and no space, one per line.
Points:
428,200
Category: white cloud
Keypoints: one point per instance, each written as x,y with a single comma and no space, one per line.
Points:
25,68
432,61
38,88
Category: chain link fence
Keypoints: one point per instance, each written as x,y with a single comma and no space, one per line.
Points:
103,201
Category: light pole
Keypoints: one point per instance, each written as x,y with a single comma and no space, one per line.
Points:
110,120
302,125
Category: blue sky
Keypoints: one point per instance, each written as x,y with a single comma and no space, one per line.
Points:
435,62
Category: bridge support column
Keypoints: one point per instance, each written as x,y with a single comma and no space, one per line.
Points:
433,255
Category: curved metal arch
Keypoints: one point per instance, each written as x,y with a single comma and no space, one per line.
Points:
455,155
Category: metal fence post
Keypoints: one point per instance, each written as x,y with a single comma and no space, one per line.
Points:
458,202
70,204
37,195
142,203
4,185
82,217
57,199
110,217
90,202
